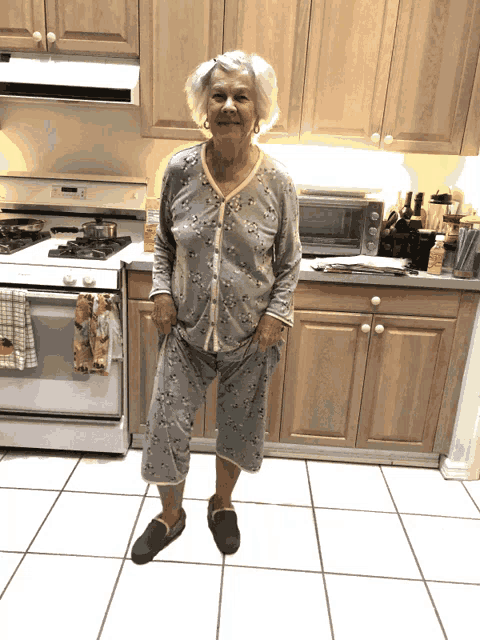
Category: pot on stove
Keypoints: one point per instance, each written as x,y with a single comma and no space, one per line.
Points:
96,230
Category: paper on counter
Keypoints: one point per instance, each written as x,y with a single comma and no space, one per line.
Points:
370,261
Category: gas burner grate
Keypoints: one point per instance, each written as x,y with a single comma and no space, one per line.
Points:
90,248
19,240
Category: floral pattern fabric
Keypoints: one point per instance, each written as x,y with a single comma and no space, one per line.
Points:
183,376
226,261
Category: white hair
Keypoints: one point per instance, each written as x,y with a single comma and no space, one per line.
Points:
264,79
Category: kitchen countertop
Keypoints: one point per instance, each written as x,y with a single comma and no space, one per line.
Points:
144,261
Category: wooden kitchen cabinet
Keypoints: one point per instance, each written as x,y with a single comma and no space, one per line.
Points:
358,378
392,74
350,388
404,381
341,381
277,31
203,29
401,71
86,27
176,38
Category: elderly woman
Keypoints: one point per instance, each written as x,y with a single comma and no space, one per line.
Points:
226,265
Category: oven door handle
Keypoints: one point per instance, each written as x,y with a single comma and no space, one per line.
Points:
59,295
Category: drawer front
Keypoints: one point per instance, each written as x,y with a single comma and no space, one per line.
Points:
139,284
321,296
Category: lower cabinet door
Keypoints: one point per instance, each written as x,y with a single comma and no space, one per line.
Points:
324,374
404,382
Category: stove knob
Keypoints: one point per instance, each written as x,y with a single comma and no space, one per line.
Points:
69,280
89,281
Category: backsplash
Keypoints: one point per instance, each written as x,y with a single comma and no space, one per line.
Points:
77,139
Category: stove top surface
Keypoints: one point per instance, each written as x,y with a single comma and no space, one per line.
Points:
18,241
90,248
54,250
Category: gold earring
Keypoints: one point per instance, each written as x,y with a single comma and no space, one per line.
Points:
256,129
205,124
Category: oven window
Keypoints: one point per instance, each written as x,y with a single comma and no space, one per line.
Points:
53,386
325,224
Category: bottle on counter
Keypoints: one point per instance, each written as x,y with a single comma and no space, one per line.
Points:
416,219
437,254
407,211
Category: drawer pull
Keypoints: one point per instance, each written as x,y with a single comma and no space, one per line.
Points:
366,328
379,328
375,300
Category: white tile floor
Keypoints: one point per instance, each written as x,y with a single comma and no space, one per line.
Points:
329,551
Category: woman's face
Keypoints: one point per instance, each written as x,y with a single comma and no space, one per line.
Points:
231,110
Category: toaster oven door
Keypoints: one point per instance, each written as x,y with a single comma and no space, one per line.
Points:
336,227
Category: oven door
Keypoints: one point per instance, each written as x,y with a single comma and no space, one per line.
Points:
52,388
334,226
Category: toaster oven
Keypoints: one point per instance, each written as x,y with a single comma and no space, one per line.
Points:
332,225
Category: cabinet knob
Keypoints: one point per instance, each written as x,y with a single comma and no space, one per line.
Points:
365,328
375,137
37,36
379,328
51,37
375,300
388,139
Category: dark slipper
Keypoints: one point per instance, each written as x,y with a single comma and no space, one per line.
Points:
156,537
223,525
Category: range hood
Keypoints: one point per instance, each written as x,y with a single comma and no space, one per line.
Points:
71,78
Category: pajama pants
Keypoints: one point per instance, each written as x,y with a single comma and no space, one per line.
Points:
183,376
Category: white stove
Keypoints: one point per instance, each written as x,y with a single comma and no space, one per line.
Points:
33,265
50,406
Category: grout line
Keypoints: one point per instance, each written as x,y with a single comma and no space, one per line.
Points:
257,568
220,597
275,504
124,558
40,527
468,493
320,553
102,626
415,557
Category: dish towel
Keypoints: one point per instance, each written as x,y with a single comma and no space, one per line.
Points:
17,345
97,338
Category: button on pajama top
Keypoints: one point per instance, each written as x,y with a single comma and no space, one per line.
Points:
226,261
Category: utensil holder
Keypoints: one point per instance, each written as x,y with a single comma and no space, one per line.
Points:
468,243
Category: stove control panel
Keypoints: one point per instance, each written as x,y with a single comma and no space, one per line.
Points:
57,277
71,281
71,193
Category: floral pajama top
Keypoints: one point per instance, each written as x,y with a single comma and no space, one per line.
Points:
226,261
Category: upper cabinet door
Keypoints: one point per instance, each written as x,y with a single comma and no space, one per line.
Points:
176,38
432,74
349,53
276,30
102,27
90,27
19,20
